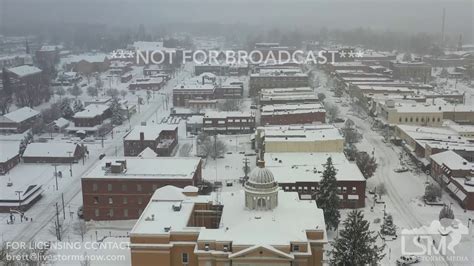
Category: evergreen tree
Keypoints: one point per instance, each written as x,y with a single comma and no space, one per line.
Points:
327,199
75,91
78,106
117,112
388,228
66,109
446,213
356,244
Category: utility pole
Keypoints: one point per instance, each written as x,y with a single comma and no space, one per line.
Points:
56,175
64,212
58,226
70,163
19,198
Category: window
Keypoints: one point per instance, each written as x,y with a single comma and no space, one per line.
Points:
109,187
96,212
125,200
96,200
400,119
111,213
344,189
354,189
296,248
416,119
111,201
94,187
125,213
139,187
139,200
411,119
184,258
406,119
124,187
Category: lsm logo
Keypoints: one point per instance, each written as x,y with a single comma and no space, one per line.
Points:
438,242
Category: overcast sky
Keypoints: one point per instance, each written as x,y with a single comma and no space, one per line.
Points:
398,15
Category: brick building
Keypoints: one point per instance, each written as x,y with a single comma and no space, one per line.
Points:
287,114
151,84
18,121
9,155
228,122
93,115
186,92
302,172
120,188
419,71
52,152
456,175
162,139
277,78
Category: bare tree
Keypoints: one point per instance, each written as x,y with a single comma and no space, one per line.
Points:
80,228
58,230
332,111
5,253
212,147
92,91
381,190
231,105
75,91
123,93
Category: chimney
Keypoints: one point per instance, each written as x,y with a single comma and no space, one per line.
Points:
142,136
261,163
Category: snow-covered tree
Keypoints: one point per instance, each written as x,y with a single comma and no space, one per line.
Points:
332,111
388,228
78,106
112,93
407,57
212,147
117,112
321,97
66,109
327,198
75,91
446,213
356,244
366,164
123,93
92,91
432,192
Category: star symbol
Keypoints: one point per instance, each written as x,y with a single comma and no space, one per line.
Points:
114,54
351,54
360,53
342,54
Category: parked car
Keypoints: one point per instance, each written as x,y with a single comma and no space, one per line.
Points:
401,169
101,156
80,212
408,260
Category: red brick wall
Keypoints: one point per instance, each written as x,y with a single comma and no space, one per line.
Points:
288,119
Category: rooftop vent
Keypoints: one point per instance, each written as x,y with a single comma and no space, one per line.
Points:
177,207
167,228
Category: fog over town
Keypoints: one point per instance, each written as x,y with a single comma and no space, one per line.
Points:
236,132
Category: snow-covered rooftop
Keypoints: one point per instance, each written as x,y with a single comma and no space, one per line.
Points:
280,109
291,167
91,58
150,132
147,153
238,224
24,71
8,150
50,149
216,114
148,168
92,110
301,133
21,114
452,160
